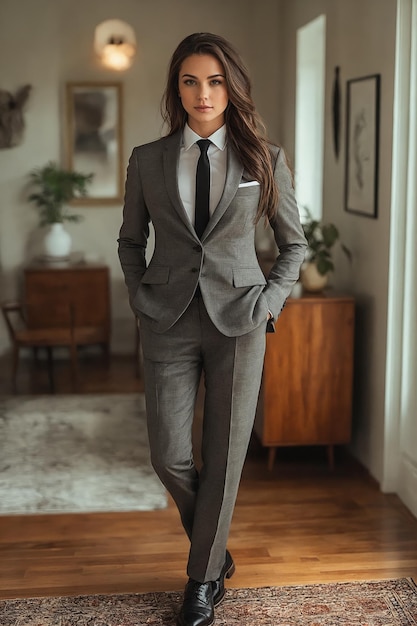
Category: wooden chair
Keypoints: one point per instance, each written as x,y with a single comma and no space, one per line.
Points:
22,336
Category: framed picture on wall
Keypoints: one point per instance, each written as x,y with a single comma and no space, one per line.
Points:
94,139
362,145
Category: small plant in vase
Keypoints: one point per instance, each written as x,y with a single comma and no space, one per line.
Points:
319,261
55,189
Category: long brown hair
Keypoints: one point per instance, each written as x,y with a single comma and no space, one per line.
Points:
245,129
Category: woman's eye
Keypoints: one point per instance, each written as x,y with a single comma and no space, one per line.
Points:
189,81
216,81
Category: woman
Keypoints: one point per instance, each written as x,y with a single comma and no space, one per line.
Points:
203,301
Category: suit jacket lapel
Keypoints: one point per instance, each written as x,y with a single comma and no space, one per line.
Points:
233,178
170,157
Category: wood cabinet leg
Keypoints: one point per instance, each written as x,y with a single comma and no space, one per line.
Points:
50,365
271,458
74,366
105,346
330,456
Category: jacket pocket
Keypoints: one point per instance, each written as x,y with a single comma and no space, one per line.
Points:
156,275
248,276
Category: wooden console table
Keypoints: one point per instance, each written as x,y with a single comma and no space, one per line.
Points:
306,392
51,290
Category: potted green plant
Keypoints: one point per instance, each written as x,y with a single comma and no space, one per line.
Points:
321,238
55,188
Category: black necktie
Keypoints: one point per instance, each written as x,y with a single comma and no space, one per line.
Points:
202,188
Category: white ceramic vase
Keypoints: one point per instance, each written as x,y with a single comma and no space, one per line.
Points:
311,279
57,242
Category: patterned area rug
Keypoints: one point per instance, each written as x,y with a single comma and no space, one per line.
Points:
379,603
76,453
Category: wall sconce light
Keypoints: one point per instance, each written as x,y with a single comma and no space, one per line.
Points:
115,44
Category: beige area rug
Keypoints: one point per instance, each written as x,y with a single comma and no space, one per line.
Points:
76,453
378,603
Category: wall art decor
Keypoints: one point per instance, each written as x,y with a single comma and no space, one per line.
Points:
336,111
94,139
362,145
12,123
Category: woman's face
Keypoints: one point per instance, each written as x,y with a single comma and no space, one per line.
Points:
203,92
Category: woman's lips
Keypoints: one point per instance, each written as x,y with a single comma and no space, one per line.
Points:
203,109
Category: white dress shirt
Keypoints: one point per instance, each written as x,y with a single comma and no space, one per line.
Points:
187,167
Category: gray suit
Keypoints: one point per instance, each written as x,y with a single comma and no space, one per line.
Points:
221,332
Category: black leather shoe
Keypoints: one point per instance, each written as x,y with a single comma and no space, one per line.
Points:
218,585
197,608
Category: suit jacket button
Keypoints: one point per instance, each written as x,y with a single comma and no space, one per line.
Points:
194,269
197,248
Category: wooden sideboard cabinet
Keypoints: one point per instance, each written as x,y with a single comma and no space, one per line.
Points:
306,392
52,290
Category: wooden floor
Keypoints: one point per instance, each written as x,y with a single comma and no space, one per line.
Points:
299,523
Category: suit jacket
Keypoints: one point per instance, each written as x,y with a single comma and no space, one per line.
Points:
224,263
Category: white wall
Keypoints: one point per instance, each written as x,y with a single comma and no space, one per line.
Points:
400,459
361,40
47,43
309,115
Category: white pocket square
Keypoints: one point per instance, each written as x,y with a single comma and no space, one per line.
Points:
251,183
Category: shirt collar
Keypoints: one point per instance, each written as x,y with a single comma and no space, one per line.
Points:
218,138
